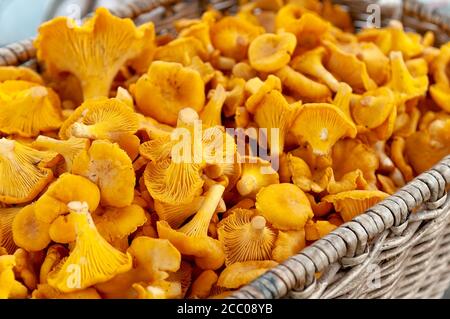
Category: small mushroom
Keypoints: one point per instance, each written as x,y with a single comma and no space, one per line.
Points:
270,52
353,203
242,273
201,287
10,287
284,205
245,237
256,174
181,50
318,229
211,115
92,260
288,244
19,73
259,89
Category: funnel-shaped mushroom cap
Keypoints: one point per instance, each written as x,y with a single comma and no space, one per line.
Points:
307,180
28,231
118,223
274,112
94,52
270,52
245,237
166,89
440,66
302,86
284,205
322,125
19,73
402,82
68,149
310,63
201,32
232,36
377,63
192,238
318,229
211,114
9,286
141,62
28,108
348,68
374,107
62,229
23,172
409,44
92,260
108,166
306,25
181,50
176,215
67,188
259,89
100,119
256,173
353,203
242,273
441,95
201,287
288,244
7,216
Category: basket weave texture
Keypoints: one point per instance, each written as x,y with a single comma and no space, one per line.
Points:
399,248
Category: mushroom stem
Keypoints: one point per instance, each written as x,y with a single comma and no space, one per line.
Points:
246,185
187,117
198,226
214,171
82,131
258,223
6,146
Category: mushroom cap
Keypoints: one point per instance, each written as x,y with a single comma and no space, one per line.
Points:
374,107
441,95
183,276
92,259
318,229
181,50
28,108
256,173
259,89
270,52
23,170
9,286
108,166
100,119
28,231
67,188
176,215
19,73
7,216
284,205
322,125
245,237
233,35
202,285
166,89
62,229
211,114
288,244
352,203
116,223
153,128
93,52
242,273
141,62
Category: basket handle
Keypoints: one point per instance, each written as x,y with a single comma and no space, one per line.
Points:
22,51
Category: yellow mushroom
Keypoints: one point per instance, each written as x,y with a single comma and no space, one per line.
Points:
28,108
23,170
398,157
441,95
256,174
7,216
233,35
55,253
242,273
245,237
202,285
67,188
322,125
353,203
94,52
284,205
316,180
303,87
24,268
440,66
183,276
318,229
374,107
257,89
176,215
288,243
206,70
348,68
68,149
101,119
192,238
211,115
19,73
28,231
92,260
274,113
181,50
310,63
9,286
108,166
270,52
167,88
200,31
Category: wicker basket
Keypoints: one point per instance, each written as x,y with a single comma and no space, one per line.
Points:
399,248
